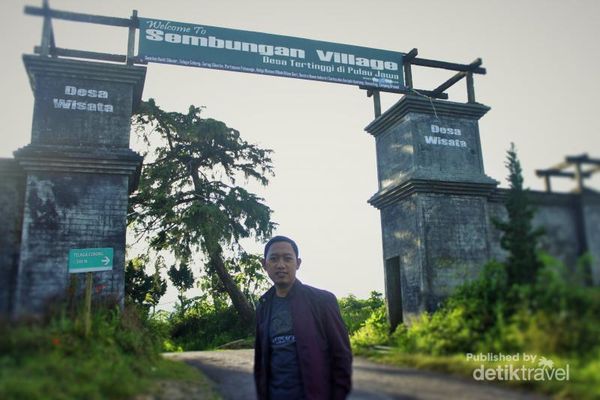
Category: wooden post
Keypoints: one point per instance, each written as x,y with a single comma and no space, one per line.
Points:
87,312
548,185
46,30
470,88
408,81
377,103
579,177
131,38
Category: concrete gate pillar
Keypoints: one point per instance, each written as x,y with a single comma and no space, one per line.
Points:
79,171
11,212
590,209
432,200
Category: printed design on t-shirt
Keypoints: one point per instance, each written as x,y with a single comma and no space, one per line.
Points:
283,340
281,326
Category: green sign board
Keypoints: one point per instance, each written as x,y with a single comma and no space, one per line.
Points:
260,53
90,260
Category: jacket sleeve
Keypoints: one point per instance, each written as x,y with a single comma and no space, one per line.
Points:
341,353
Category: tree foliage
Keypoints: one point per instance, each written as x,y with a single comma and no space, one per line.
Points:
189,200
141,288
519,237
356,311
183,280
248,274
159,285
137,282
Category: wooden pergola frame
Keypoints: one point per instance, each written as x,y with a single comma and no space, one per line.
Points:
579,174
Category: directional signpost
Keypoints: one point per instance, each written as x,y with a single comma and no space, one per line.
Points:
88,261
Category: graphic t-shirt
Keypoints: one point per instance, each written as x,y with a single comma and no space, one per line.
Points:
285,382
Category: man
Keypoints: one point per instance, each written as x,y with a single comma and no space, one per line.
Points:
302,349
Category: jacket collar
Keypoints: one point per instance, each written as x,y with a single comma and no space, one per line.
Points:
271,292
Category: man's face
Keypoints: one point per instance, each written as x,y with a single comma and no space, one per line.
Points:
281,264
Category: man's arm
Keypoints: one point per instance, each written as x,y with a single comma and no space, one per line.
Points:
341,353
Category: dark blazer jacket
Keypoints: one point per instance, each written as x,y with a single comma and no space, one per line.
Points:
324,353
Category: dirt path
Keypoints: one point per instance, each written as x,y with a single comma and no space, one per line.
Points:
231,370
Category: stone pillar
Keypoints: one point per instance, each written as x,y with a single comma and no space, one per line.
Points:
432,199
590,208
79,173
11,205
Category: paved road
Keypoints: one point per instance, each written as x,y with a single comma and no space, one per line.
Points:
231,370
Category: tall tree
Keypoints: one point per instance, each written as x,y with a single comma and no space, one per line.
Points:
519,237
188,199
248,274
183,280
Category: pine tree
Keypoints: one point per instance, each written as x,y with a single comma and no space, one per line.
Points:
519,237
183,280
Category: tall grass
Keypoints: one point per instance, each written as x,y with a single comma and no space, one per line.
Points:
54,360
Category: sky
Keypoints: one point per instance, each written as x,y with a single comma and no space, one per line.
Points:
542,85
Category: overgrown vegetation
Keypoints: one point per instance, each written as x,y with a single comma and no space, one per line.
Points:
531,303
553,317
355,312
202,322
120,359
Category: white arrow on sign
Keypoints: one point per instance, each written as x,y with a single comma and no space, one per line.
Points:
105,260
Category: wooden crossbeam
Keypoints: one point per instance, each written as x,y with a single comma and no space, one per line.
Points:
582,159
121,58
446,85
78,17
571,161
559,173
448,65
408,57
428,93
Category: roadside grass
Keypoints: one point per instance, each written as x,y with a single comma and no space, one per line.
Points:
120,359
584,376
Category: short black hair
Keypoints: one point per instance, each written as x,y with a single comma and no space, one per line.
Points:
280,238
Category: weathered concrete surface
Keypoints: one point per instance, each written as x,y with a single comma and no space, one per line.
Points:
401,232
432,197
79,173
437,206
418,138
591,220
455,232
57,83
231,370
12,180
568,228
63,212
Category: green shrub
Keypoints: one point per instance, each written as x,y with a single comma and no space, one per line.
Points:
356,311
205,327
553,316
375,331
443,332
